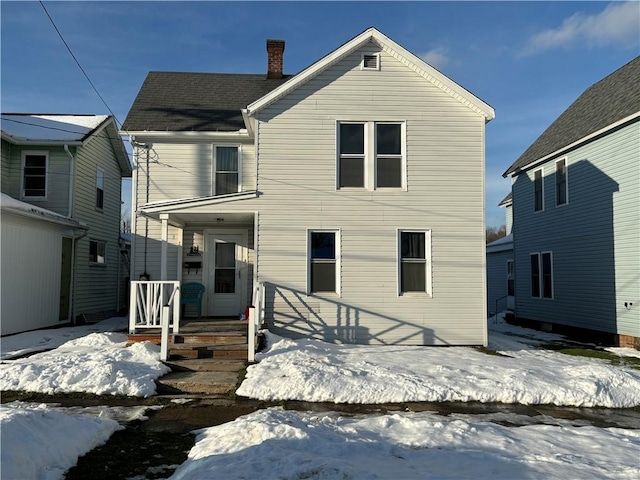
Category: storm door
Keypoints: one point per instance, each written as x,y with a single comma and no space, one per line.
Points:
226,274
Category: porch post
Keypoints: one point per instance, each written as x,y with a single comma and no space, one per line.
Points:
164,218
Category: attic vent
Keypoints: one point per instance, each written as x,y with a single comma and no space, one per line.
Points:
371,61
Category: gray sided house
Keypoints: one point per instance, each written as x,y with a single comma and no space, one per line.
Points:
576,215
500,267
353,191
69,169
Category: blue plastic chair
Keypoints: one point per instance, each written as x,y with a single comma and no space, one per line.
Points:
192,292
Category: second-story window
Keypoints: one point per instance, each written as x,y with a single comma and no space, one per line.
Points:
538,191
34,174
561,182
99,188
371,155
226,176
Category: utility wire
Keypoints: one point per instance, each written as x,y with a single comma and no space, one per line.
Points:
78,63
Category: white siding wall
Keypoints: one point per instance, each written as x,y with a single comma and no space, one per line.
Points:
29,301
297,165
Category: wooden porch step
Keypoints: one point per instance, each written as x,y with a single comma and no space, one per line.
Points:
207,365
207,350
227,338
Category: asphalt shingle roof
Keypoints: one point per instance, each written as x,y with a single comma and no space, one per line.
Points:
606,102
199,102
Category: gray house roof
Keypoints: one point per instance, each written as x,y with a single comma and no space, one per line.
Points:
199,102
606,102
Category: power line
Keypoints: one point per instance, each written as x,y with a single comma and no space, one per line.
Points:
78,63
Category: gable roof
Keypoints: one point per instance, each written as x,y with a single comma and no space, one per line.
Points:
401,54
614,99
195,102
59,129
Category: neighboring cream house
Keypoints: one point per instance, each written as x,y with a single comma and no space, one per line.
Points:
60,258
353,190
576,216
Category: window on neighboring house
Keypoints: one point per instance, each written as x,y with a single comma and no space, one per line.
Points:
542,275
414,256
561,182
323,261
100,188
511,290
227,170
34,174
97,252
371,155
538,191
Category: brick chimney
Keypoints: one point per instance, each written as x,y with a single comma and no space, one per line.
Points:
275,51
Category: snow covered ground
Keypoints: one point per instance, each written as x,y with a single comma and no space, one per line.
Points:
314,371
275,443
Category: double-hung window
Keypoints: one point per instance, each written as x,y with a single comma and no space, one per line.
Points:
511,287
323,255
99,188
538,191
227,170
414,254
561,182
371,155
542,275
34,174
97,252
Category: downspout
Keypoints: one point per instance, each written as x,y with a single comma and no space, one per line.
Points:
72,171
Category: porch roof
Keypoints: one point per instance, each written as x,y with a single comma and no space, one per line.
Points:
183,210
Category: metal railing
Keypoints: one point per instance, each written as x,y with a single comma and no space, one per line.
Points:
147,302
256,320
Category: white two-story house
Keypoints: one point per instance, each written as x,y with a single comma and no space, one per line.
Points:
353,190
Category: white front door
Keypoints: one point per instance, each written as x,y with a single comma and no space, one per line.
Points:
226,274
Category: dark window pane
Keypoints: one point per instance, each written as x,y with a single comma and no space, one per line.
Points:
226,183
537,191
351,172
547,287
323,277
323,245
99,198
225,281
388,139
412,245
35,176
561,183
35,161
35,183
225,255
535,276
352,138
370,61
389,172
227,159
413,278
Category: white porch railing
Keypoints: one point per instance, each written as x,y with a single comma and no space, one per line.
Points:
256,320
147,300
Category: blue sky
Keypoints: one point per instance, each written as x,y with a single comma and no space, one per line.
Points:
529,60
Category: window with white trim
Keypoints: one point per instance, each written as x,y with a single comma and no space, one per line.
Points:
226,169
538,191
414,261
323,261
371,155
99,188
542,275
97,252
35,167
561,182
511,287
